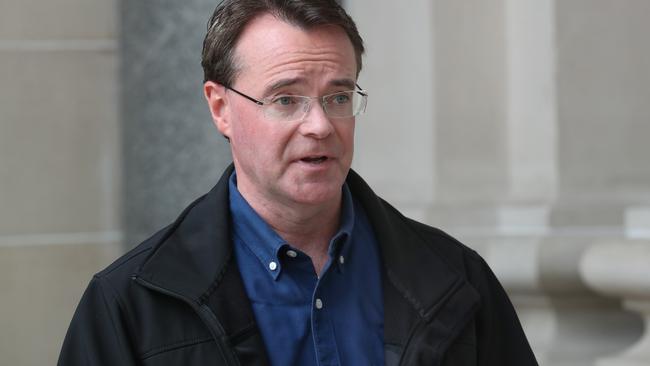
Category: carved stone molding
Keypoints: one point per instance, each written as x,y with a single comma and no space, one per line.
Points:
622,269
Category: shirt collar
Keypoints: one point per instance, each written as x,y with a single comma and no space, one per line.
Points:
267,245
254,232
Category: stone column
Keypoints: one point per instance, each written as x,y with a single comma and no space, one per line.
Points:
497,140
602,113
172,151
393,139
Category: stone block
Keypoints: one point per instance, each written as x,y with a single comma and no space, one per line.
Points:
59,142
57,20
40,287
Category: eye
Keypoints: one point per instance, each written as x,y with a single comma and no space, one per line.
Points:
341,98
284,100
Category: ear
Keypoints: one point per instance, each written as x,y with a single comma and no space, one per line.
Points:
215,95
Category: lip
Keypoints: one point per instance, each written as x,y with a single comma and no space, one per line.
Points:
313,156
315,161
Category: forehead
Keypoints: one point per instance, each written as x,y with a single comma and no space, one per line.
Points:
270,49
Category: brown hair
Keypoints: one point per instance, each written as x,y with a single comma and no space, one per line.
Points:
231,16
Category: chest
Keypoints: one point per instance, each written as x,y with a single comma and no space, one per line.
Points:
304,319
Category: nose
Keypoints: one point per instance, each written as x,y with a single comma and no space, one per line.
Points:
316,123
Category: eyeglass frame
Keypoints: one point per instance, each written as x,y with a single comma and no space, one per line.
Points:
360,91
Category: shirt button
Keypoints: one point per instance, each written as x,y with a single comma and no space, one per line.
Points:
273,266
292,253
319,304
341,259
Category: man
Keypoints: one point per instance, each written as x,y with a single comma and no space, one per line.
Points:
291,259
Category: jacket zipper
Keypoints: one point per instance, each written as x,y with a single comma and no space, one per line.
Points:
205,313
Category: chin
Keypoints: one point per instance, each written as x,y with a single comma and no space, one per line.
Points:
316,194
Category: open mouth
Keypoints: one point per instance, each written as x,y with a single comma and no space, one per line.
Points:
314,159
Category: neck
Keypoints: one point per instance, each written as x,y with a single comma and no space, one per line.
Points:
307,227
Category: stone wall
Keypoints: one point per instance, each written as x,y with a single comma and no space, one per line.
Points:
60,167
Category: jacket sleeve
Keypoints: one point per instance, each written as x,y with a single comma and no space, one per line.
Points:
500,337
98,333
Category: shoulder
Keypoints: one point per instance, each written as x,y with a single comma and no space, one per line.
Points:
115,281
398,232
446,246
467,262
128,264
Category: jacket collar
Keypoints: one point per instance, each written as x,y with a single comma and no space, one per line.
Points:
194,254
413,264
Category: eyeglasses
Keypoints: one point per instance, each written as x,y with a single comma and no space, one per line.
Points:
288,108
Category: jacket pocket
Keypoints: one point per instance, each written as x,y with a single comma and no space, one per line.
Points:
188,353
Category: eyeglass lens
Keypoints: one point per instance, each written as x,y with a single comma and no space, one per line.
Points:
338,105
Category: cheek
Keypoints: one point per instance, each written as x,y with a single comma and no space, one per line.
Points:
346,133
260,141
245,131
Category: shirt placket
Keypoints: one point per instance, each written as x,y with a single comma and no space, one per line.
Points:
322,326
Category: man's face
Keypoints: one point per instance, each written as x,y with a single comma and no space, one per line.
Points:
289,162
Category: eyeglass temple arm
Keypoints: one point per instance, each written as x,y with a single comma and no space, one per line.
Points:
245,96
360,91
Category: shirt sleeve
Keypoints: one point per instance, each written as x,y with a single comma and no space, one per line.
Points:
98,334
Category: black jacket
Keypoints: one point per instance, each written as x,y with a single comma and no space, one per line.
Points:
178,299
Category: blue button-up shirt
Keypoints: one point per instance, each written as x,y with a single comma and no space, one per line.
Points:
337,319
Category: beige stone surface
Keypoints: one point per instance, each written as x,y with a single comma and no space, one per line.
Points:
603,110
40,287
470,101
59,167
58,19
59,142
396,130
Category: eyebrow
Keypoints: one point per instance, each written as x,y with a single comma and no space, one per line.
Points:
348,83
282,83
